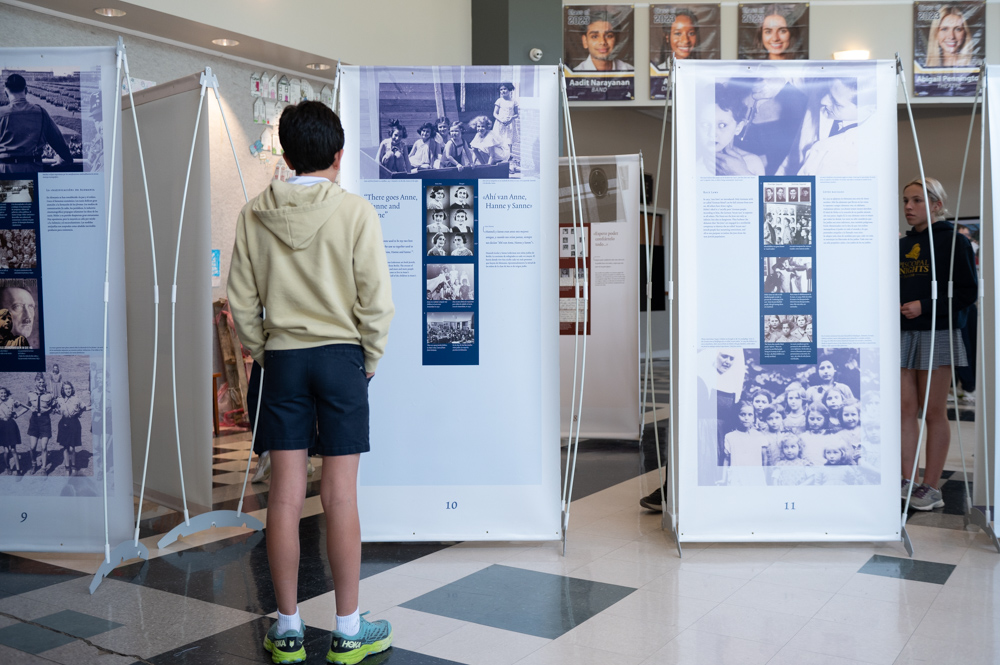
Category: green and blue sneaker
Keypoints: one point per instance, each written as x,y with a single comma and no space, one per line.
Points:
349,649
289,647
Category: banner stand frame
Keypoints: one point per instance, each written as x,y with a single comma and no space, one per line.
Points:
215,518
973,515
668,509
576,202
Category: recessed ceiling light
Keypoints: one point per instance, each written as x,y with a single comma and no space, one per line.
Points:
225,42
109,12
318,65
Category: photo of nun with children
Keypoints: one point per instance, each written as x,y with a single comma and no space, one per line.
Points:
772,124
419,144
787,424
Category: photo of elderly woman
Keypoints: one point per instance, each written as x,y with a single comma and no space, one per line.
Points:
773,32
681,32
949,44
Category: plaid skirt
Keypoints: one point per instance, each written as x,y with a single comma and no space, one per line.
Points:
915,349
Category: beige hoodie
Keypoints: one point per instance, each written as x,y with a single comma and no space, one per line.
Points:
314,258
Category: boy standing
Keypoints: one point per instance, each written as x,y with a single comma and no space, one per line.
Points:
312,256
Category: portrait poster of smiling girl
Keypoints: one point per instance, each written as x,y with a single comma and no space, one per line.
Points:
773,31
949,41
686,32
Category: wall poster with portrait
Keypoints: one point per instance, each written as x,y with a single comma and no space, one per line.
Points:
683,32
788,385
949,44
461,165
773,31
599,52
54,185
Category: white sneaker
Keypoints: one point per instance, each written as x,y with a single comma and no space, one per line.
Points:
310,469
926,497
263,471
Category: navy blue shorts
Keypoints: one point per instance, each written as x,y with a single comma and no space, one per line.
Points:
315,398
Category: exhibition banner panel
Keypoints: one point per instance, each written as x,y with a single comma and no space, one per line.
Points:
684,32
949,42
465,404
609,206
788,339
993,118
599,52
55,155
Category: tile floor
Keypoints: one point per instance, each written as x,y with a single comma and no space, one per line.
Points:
619,595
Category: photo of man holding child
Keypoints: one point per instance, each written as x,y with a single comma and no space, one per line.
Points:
788,424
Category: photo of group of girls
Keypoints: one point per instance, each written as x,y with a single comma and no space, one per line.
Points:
787,424
18,249
451,328
451,281
45,420
774,124
787,224
788,274
486,138
788,328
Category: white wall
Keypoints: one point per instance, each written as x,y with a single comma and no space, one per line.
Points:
359,32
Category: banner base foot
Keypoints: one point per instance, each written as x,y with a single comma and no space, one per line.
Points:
205,521
564,529
123,552
906,541
978,518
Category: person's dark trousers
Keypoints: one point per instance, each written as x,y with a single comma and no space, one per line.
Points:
967,375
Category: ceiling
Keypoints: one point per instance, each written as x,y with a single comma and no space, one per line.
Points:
153,24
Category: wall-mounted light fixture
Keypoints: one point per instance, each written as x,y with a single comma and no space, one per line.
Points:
859,54
225,42
318,65
109,12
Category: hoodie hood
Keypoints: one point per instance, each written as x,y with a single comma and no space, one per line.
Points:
938,226
296,213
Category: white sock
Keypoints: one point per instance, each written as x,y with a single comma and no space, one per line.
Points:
287,622
349,625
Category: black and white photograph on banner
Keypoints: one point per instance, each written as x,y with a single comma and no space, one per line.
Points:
461,221
450,244
451,328
600,188
18,249
17,191
787,424
949,44
437,198
788,274
769,31
20,316
566,277
451,281
788,328
461,244
787,224
599,51
438,221
684,32
772,124
45,422
461,197
568,241
50,120
478,137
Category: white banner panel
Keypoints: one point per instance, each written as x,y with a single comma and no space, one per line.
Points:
788,341
55,156
609,189
993,117
465,405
